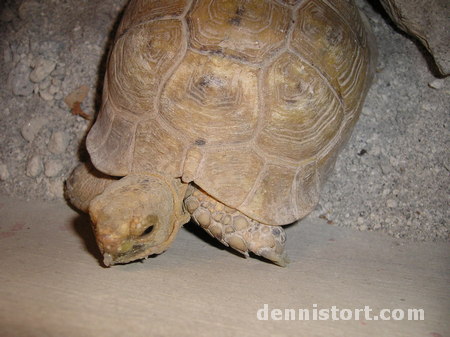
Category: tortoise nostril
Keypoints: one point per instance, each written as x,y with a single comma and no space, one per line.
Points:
149,223
148,230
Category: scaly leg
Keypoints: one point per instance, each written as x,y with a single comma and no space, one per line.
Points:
235,229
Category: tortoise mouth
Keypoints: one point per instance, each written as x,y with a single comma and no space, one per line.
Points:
135,253
118,250
134,246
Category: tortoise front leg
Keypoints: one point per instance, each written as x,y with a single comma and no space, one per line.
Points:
235,229
84,184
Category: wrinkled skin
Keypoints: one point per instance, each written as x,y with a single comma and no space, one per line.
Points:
132,218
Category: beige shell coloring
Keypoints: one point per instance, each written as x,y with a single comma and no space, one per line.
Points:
250,100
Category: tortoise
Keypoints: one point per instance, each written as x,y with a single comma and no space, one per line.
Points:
229,112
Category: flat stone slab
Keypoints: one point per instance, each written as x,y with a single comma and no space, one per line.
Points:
53,283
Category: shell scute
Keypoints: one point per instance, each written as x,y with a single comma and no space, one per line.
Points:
250,100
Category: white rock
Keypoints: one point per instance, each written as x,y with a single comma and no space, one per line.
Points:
59,96
437,84
45,84
58,142
42,69
7,53
391,203
56,188
6,15
18,80
363,228
429,106
4,173
56,82
375,151
53,89
393,161
34,166
377,226
53,167
46,95
32,127
28,8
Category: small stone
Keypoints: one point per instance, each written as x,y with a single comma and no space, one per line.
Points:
56,188
34,166
385,166
367,111
58,142
18,80
429,106
4,173
45,84
32,127
59,71
377,226
53,167
363,228
42,69
56,82
28,8
393,161
446,163
53,89
437,84
6,15
391,203
46,95
7,53
59,96
375,151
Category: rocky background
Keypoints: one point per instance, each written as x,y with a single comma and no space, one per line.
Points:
393,176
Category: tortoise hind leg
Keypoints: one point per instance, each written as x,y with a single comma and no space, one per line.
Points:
235,229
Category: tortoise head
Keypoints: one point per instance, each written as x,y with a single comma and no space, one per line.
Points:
137,216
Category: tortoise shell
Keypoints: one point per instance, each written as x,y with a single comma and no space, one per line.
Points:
249,100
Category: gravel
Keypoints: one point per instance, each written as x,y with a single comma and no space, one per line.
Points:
393,176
